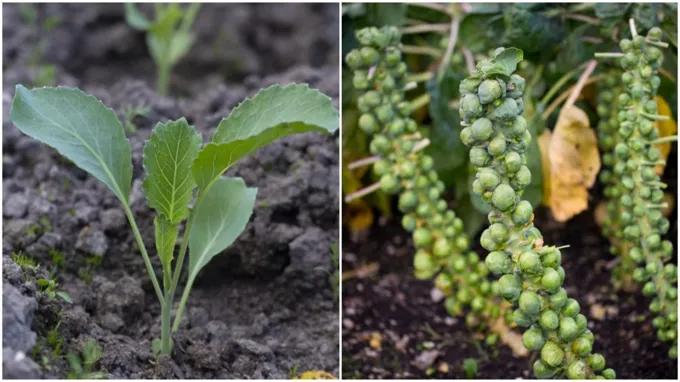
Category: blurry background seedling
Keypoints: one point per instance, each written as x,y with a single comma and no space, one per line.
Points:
82,365
168,36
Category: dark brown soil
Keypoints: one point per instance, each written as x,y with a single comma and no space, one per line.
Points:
398,307
260,310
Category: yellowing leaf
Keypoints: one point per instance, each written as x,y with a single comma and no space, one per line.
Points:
316,375
666,128
574,163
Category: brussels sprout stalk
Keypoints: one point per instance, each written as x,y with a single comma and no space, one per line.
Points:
638,190
530,273
442,248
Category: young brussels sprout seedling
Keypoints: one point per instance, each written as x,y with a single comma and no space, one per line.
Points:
530,273
442,248
168,37
635,187
88,133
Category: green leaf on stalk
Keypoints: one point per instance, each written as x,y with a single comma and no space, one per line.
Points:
135,18
168,156
65,296
166,237
221,215
273,113
80,128
502,64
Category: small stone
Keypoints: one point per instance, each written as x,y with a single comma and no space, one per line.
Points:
112,322
17,315
16,365
92,241
252,348
112,220
15,206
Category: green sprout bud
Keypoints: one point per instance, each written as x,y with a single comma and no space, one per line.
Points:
513,161
549,320
552,354
482,129
596,362
581,322
488,179
551,280
529,303
551,257
558,299
466,137
503,197
498,262
530,262
479,157
522,177
522,213
487,242
442,247
533,339
397,127
389,184
542,370
489,91
509,287
370,56
469,85
516,86
497,146
506,111
522,319
409,223
609,374
470,107
498,232
577,370
384,113
568,329
571,308
423,260
422,238
408,201
392,56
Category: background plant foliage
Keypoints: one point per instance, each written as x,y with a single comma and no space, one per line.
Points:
557,40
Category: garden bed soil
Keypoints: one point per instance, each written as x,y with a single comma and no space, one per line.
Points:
260,310
392,327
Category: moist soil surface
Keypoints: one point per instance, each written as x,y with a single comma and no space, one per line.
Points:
263,308
393,327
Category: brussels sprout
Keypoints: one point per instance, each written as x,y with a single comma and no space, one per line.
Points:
517,83
469,85
489,91
552,354
549,320
422,238
513,161
522,213
443,282
503,197
522,177
384,113
542,370
509,287
558,299
488,179
529,303
409,223
609,374
551,280
479,157
498,232
478,303
408,201
466,137
550,257
506,111
596,362
581,322
497,146
571,308
530,262
392,56
576,370
522,319
423,261
441,247
462,243
533,339
470,107
498,262
482,129
568,329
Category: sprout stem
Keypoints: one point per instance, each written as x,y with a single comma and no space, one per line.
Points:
436,7
580,84
424,28
660,44
453,38
421,145
363,192
654,117
564,96
363,162
608,55
670,138
420,101
633,30
145,255
584,18
559,83
419,77
423,50
469,60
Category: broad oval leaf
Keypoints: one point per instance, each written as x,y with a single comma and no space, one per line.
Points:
275,112
80,128
221,215
168,156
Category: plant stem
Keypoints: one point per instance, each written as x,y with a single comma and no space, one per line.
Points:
420,101
670,138
145,255
182,302
424,50
423,28
453,38
608,55
362,192
163,79
419,77
558,85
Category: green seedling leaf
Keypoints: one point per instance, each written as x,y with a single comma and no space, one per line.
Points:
221,216
503,64
135,18
275,112
80,128
168,156
166,236
65,296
